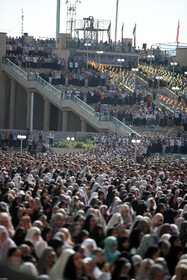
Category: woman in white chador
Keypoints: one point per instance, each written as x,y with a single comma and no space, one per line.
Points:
57,270
34,236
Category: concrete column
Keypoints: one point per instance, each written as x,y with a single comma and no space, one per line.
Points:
2,80
28,109
2,98
46,114
65,121
59,120
83,126
3,45
12,103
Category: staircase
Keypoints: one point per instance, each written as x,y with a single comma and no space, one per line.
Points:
66,101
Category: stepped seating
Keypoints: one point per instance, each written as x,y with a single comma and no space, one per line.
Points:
64,101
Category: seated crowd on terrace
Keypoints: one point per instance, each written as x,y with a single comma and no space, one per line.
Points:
36,55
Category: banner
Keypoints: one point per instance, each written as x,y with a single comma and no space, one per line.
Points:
134,34
177,37
109,32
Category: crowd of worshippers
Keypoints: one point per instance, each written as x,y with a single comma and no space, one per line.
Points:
33,144
79,76
145,117
93,215
145,110
18,45
149,145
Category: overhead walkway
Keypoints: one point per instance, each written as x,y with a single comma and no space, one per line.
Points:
64,101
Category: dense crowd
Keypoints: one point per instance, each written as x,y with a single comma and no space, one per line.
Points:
143,110
23,41
94,214
75,76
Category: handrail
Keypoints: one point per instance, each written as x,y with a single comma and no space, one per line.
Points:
124,127
75,99
15,67
51,88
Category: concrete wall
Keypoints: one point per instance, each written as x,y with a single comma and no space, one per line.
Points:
74,123
181,56
63,38
90,128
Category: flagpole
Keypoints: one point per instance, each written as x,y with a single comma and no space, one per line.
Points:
117,2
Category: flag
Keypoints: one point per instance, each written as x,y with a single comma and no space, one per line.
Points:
134,34
122,33
84,28
108,32
177,37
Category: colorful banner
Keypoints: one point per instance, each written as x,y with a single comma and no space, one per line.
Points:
176,80
124,78
173,104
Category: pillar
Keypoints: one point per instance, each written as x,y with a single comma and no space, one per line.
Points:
28,109
59,120
83,126
65,121
2,80
12,103
2,98
46,114
3,45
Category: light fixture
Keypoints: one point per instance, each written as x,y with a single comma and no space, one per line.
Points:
21,138
135,69
173,63
120,60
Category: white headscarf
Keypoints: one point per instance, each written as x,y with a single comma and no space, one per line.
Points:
93,195
116,219
184,210
29,269
58,269
39,245
85,245
6,244
16,180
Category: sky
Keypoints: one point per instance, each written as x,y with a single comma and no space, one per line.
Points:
156,20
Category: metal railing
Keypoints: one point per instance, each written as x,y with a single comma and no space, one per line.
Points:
115,48
15,68
67,96
48,86
124,127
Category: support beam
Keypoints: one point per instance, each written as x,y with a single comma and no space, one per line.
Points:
83,126
28,109
3,81
65,121
12,103
59,120
32,112
46,114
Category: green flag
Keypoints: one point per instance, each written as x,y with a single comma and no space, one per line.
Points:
134,34
134,30
108,32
